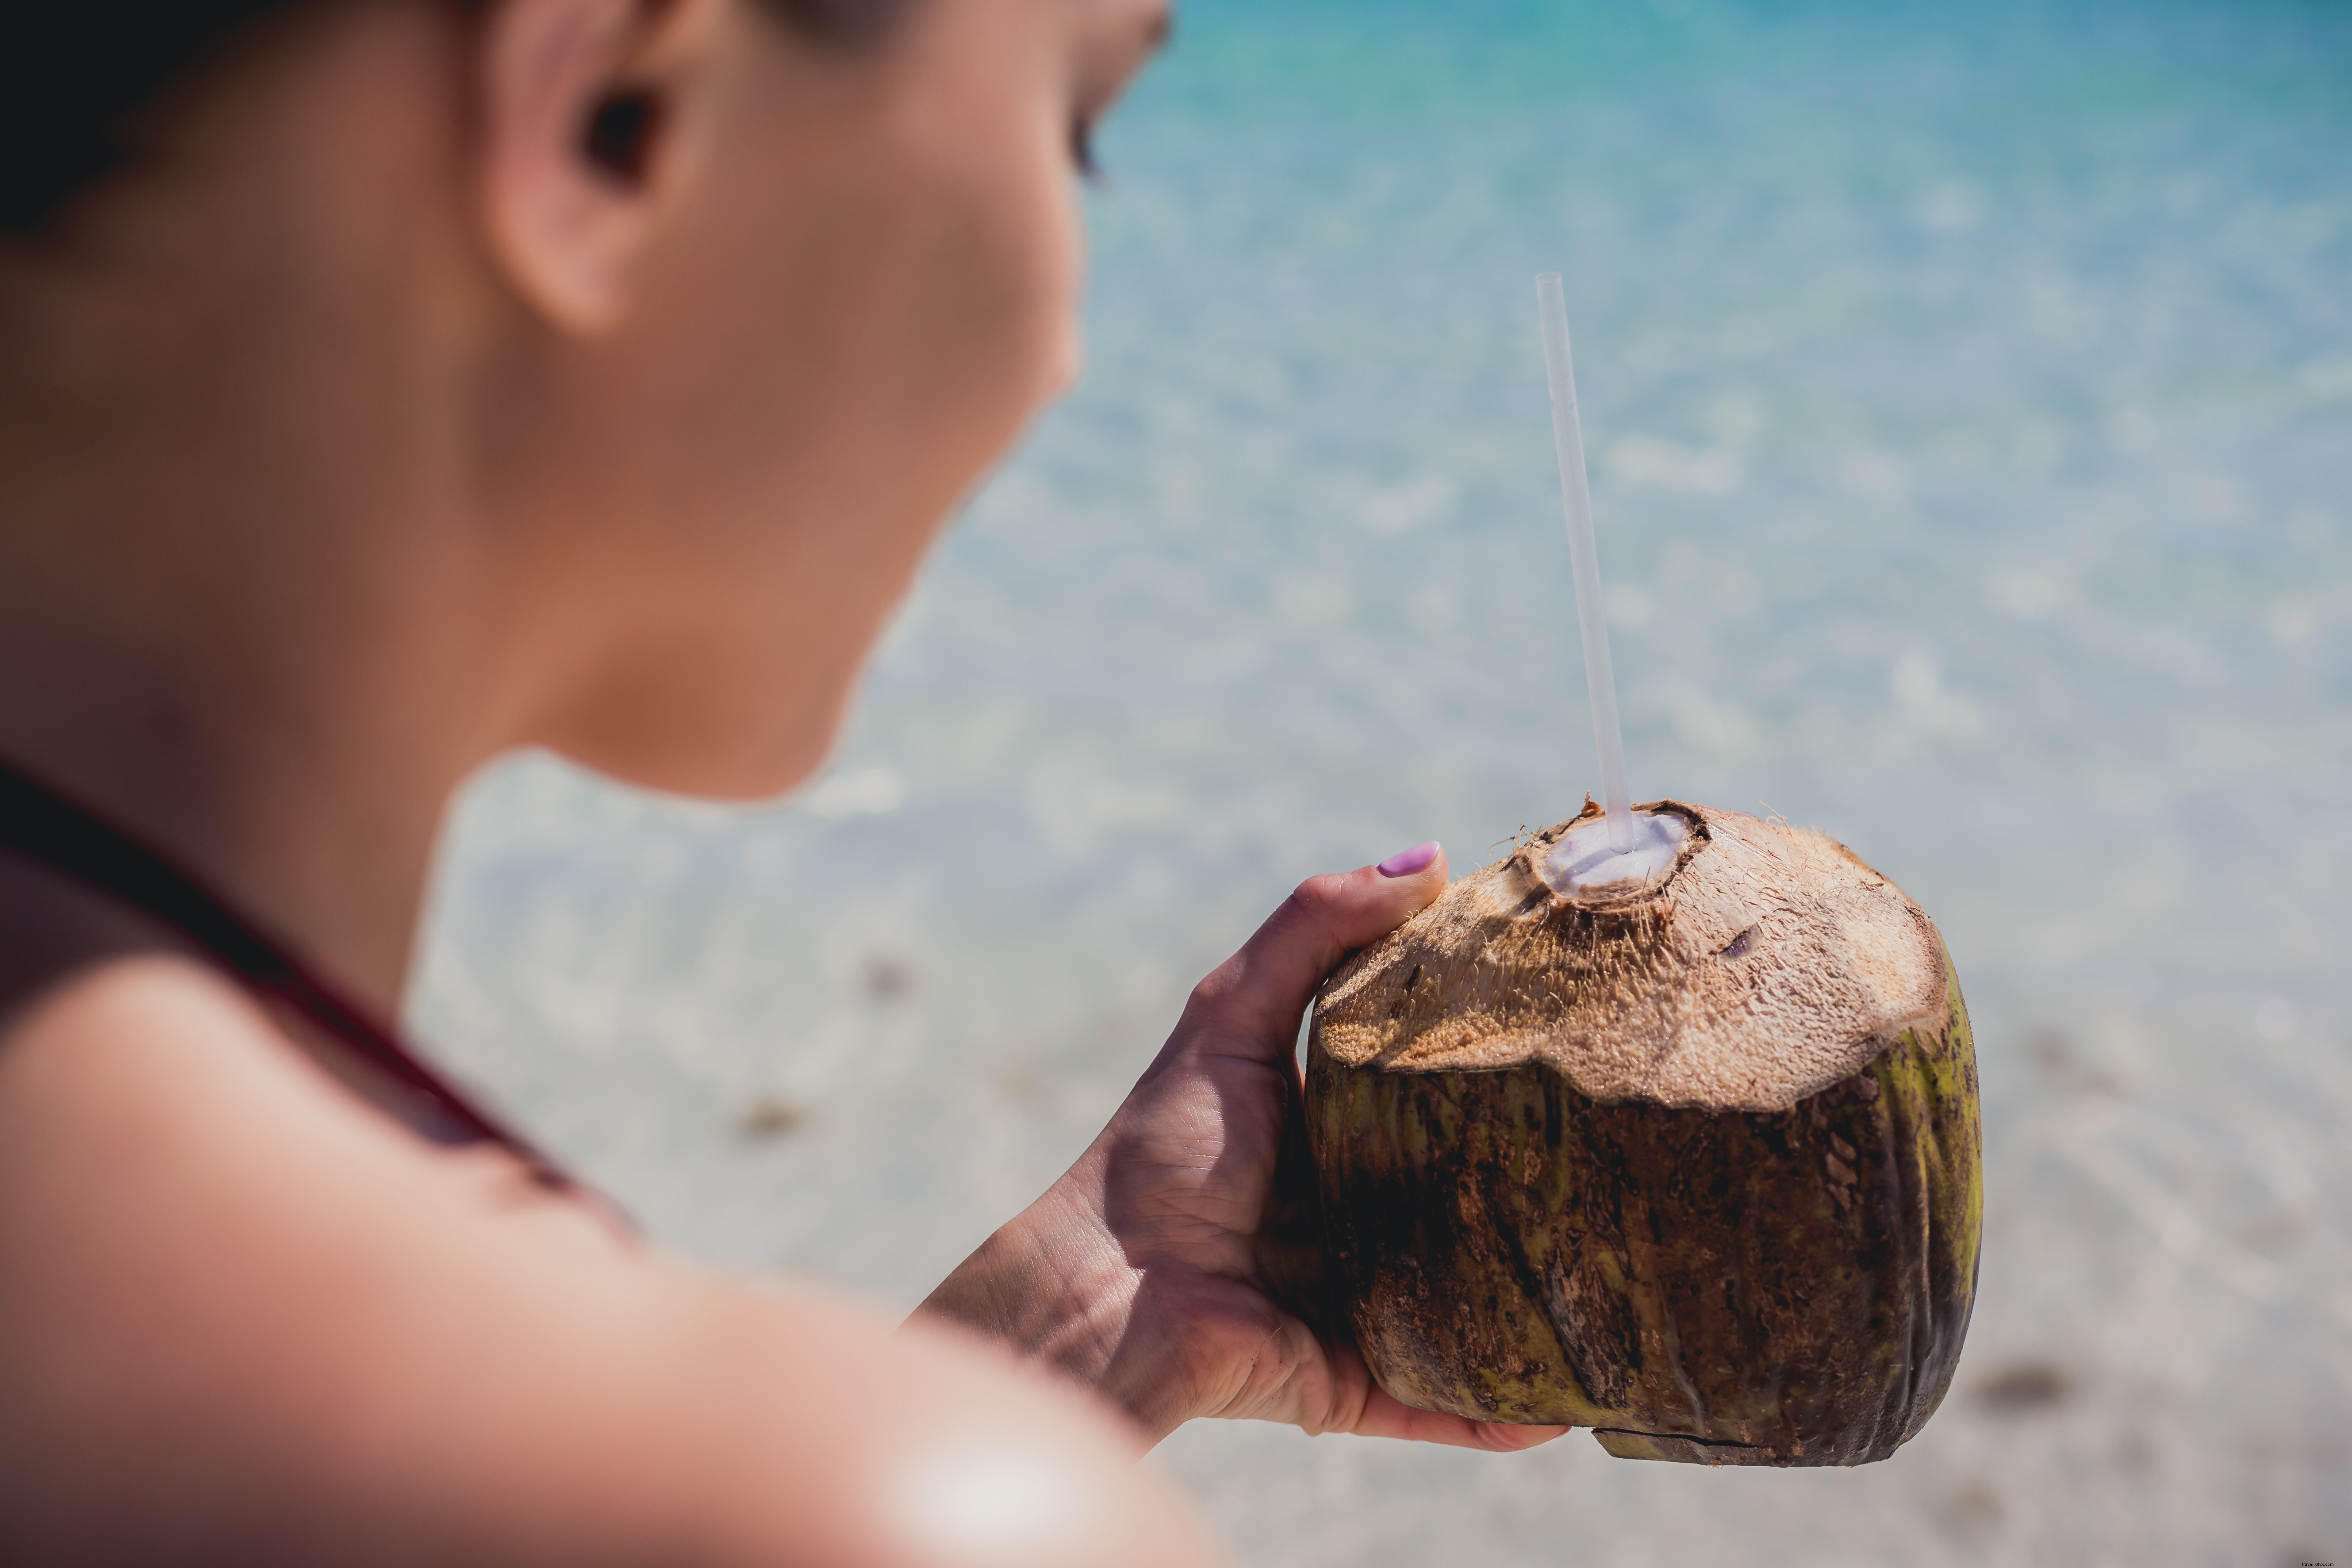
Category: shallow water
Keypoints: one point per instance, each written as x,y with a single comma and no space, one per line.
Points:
1970,396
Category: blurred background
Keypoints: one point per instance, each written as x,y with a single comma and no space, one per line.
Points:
1971,396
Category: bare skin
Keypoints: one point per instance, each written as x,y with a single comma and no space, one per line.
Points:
365,430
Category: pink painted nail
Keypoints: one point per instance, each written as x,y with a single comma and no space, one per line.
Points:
1405,862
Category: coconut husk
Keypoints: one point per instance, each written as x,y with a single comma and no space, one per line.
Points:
1693,1162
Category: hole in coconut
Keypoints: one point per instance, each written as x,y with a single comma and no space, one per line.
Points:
1582,864
1739,945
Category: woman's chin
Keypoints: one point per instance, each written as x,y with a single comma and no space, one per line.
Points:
721,772
720,781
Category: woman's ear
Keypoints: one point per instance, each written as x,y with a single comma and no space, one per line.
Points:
589,126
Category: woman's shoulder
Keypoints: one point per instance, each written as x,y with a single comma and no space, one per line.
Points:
121,1043
235,1292
130,1060
134,1071
53,930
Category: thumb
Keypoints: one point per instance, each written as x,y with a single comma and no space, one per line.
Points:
1254,999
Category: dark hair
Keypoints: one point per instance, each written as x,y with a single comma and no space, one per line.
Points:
75,75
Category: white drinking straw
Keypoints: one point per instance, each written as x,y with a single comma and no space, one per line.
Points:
1576,495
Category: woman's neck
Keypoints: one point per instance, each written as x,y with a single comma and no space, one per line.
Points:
286,726
242,611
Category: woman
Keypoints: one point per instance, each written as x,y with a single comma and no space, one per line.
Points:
386,384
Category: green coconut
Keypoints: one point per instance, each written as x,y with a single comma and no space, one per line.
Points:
1691,1158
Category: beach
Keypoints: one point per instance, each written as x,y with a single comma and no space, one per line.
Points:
1970,405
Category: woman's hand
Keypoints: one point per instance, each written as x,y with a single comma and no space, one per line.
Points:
1146,1270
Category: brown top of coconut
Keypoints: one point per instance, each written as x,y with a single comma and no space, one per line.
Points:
1750,966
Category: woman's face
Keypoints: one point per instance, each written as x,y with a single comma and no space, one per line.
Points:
863,285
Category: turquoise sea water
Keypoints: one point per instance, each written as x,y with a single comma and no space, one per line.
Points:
1970,394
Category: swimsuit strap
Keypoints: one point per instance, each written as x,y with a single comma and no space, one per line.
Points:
45,827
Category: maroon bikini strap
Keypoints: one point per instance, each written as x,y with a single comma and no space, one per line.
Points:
45,827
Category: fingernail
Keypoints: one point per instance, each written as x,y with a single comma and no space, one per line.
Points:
1405,862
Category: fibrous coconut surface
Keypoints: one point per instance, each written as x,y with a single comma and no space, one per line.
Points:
1692,1158
1766,964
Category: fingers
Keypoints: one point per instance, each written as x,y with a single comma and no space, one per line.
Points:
1279,1370
1382,1414
1260,992
1385,1416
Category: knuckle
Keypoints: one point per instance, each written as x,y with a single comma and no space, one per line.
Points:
1317,896
1214,988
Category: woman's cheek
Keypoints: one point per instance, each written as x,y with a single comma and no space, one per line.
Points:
1065,359
1060,233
